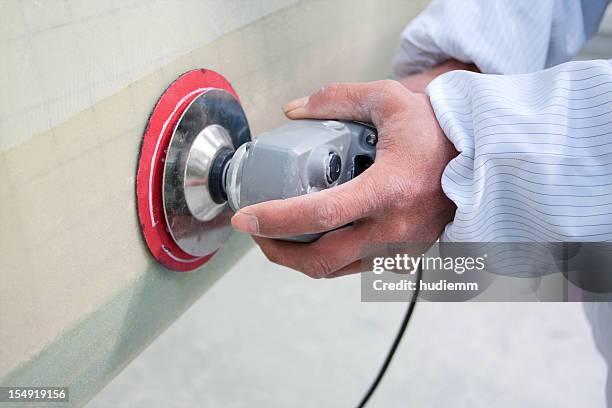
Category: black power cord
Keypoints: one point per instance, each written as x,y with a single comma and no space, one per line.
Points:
396,342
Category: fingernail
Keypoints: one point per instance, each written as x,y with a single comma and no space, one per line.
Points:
245,222
295,104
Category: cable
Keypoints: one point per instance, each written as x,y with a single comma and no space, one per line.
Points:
396,342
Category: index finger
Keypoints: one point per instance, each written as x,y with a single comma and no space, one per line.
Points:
311,213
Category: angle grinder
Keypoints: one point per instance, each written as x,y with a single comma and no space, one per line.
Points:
198,165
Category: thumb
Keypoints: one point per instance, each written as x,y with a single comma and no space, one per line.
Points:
346,101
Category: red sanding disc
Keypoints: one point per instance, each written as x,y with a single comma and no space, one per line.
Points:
158,133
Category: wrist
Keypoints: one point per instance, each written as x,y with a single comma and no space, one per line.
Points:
440,151
418,82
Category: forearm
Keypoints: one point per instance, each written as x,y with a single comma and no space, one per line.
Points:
535,153
498,36
418,82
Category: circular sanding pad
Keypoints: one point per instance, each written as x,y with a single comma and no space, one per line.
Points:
149,177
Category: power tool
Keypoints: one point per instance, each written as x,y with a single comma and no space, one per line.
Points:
210,167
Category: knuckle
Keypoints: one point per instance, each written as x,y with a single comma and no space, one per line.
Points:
272,255
398,193
329,90
329,213
340,93
392,85
318,267
370,197
402,229
392,95
332,97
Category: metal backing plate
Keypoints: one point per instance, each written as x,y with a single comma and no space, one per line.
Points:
213,121
149,177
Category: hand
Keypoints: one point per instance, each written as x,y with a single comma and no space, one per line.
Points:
398,199
418,82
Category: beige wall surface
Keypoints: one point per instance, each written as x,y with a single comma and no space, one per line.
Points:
67,55
79,294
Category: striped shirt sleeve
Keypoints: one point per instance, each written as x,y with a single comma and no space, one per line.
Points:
498,36
535,160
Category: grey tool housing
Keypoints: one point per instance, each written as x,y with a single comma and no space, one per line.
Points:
300,157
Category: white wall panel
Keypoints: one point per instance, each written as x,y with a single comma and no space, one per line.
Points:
64,56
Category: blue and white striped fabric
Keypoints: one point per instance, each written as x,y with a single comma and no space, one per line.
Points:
535,159
499,36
